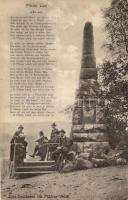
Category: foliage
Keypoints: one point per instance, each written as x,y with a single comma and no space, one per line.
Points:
116,23
114,84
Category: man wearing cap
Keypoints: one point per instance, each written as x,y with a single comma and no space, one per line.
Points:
41,147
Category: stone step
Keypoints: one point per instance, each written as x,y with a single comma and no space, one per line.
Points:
36,168
34,173
99,137
38,163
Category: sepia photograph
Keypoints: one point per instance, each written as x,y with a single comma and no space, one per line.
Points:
64,99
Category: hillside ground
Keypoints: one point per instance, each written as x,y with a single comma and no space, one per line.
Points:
110,183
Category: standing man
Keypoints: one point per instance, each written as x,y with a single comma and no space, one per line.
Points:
17,133
54,132
18,137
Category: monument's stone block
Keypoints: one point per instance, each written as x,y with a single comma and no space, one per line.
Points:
93,146
99,137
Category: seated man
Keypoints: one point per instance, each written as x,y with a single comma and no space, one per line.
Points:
41,147
64,147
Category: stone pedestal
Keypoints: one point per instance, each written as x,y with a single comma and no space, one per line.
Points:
88,130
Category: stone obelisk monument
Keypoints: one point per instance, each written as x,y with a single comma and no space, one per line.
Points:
88,131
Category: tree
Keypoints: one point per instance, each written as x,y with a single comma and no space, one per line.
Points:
114,84
116,24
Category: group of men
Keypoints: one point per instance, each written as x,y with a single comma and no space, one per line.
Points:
44,147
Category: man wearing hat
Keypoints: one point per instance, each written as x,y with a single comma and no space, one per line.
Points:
65,141
18,137
65,144
17,133
54,132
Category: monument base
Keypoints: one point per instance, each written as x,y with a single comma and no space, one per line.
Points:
91,140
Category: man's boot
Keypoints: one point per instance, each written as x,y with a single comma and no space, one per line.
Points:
35,151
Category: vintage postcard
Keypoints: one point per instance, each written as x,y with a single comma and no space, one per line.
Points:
64,99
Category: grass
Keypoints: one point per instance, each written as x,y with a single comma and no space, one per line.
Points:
4,169
118,195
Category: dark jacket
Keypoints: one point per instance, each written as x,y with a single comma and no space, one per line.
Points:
66,143
17,139
16,134
54,133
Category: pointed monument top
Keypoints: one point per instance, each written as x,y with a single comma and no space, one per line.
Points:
88,40
88,25
88,62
